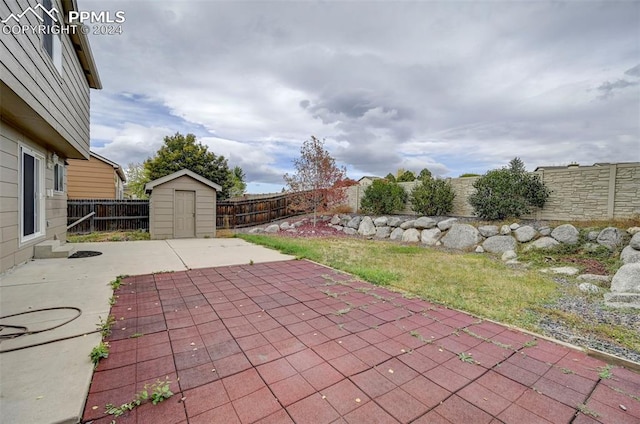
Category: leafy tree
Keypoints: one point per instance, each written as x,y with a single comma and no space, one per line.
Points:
383,197
390,177
238,185
508,192
136,179
469,174
425,174
432,197
317,179
184,152
406,177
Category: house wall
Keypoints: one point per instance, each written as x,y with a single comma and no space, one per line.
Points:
12,252
60,99
161,208
577,193
91,179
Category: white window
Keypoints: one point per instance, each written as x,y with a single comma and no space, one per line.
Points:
58,177
32,207
51,42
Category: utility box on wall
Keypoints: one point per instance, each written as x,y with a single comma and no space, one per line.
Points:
182,205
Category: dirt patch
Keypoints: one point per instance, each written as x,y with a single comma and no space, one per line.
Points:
308,230
589,266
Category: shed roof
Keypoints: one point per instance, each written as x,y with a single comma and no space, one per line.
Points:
151,184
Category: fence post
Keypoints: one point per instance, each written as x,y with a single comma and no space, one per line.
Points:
92,220
611,198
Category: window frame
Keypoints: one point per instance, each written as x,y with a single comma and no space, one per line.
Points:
39,194
58,177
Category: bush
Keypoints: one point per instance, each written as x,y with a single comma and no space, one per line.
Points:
508,192
432,197
383,197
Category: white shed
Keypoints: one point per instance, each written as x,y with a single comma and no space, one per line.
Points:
182,205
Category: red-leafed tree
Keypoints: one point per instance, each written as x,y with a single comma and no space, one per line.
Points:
318,181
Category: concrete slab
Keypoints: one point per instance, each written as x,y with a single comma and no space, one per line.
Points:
49,383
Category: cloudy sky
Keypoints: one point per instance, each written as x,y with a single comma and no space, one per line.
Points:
452,86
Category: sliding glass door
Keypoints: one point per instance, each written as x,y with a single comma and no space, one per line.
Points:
32,196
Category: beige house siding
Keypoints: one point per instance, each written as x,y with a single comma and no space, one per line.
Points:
12,252
91,179
161,207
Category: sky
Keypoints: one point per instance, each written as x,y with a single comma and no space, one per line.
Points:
452,86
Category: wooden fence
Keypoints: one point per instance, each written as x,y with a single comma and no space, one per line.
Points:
110,215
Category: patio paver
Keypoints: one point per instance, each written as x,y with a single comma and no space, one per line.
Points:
298,342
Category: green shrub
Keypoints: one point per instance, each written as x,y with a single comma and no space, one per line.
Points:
406,177
383,197
508,192
432,197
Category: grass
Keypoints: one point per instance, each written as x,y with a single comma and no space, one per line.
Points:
108,236
479,284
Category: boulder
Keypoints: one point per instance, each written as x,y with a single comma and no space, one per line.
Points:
514,226
488,230
499,244
345,219
627,279
350,231
479,249
256,230
505,230
594,277
445,224
564,270
461,236
411,235
335,220
285,225
424,222
633,230
273,228
610,237
366,227
396,234
407,224
354,222
588,288
592,235
630,255
525,233
544,231
635,241
337,227
542,243
566,233
380,221
431,236
394,221
509,255
383,232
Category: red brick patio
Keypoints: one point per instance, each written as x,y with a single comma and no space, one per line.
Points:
298,342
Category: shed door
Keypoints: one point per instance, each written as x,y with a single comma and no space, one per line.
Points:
184,213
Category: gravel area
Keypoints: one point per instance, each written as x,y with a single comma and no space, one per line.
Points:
592,309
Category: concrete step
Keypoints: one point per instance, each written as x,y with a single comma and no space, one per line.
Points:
53,249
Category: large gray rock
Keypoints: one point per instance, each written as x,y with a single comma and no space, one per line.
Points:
635,241
525,233
544,231
514,226
273,228
335,220
593,235
499,244
380,221
424,222
610,237
431,236
394,221
285,226
366,227
566,233
383,232
408,224
354,222
461,236
630,255
445,224
542,243
396,234
344,219
411,235
505,230
627,279
509,255
488,230
350,231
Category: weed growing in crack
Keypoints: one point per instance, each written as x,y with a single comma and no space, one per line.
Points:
105,326
605,372
99,352
156,392
466,357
